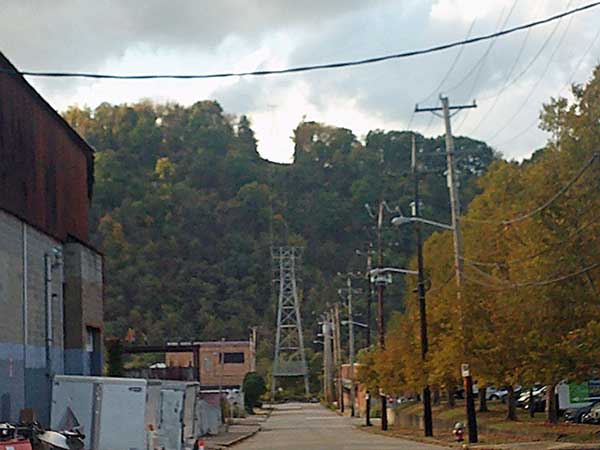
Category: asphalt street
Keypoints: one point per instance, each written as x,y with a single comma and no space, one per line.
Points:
306,426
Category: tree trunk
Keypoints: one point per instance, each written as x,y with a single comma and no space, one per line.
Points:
531,403
483,400
551,408
511,412
451,399
436,396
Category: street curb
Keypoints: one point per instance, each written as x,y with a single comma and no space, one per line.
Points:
243,438
432,441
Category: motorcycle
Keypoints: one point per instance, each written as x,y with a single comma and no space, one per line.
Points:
34,437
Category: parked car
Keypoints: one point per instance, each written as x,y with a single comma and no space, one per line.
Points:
539,399
593,416
493,393
539,390
575,415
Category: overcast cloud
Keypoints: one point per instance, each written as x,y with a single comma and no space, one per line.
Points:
120,36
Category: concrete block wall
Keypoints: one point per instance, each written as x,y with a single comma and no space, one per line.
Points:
83,310
24,376
12,355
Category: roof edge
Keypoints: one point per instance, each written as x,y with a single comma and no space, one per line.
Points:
83,143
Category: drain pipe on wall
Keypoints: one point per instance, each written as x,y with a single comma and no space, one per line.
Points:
51,261
48,295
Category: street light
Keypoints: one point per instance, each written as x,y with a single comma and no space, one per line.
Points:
358,324
397,222
402,220
379,272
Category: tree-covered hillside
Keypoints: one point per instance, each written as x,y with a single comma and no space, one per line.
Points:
185,211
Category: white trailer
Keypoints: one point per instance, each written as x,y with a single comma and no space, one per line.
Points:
173,412
109,411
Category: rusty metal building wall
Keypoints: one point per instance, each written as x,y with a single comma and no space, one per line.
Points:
45,167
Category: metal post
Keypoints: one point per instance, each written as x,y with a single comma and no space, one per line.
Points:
468,386
427,416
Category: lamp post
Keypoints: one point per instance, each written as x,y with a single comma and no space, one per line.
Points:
399,221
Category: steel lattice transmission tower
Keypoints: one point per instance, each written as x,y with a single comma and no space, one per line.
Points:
290,359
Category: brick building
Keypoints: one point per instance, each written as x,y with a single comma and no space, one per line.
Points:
222,363
360,392
50,276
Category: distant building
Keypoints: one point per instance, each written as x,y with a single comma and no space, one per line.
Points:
51,285
360,392
223,364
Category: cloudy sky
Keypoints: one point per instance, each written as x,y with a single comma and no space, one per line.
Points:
509,77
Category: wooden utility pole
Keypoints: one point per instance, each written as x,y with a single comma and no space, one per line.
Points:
351,351
458,244
427,416
327,360
338,355
368,342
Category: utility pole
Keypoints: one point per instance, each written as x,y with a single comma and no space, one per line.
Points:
427,418
381,331
351,343
458,244
369,255
327,359
338,355
369,301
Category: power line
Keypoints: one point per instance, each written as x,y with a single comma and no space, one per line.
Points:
306,68
443,285
534,255
451,68
545,205
508,76
529,65
476,68
571,80
537,84
508,285
482,64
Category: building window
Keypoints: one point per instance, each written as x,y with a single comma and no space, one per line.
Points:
233,358
207,363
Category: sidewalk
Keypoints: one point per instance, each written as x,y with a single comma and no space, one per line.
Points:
235,434
238,430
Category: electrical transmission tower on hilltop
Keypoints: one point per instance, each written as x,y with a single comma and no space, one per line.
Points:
290,360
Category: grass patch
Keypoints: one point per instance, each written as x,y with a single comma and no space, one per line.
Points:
493,426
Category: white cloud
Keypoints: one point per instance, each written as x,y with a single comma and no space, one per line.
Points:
191,37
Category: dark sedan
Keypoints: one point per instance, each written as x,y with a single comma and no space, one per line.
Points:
575,415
